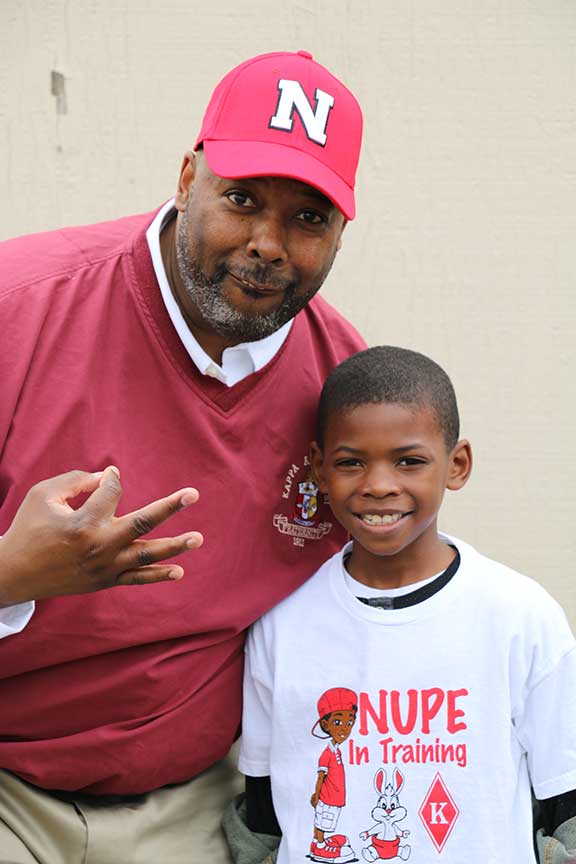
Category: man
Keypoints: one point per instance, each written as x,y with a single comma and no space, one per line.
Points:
180,347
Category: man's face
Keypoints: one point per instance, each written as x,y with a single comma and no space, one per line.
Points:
251,253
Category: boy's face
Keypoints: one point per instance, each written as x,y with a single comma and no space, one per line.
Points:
385,467
339,725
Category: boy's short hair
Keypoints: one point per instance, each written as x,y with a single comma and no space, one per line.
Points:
390,374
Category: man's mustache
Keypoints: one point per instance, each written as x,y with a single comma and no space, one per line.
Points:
257,276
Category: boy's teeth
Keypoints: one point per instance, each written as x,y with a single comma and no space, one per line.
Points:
375,519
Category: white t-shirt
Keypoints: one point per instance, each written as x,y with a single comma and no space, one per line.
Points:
464,700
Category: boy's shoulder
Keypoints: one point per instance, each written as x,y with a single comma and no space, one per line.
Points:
501,587
308,595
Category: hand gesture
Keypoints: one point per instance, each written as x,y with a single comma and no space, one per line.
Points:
51,549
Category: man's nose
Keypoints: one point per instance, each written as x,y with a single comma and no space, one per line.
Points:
267,241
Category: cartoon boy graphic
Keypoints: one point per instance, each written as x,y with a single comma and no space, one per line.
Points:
337,709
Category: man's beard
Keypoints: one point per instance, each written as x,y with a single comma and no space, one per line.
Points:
224,318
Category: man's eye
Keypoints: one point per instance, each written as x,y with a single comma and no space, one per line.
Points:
347,463
312,217
412,461
240,199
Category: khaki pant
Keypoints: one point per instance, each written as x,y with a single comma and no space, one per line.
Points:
174,825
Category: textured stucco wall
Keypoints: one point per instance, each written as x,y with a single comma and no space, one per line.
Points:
463,247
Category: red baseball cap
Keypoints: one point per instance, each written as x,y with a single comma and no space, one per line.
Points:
284,115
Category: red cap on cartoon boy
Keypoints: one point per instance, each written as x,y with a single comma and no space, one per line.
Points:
335,699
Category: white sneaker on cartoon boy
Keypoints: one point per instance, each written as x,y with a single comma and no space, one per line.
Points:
384,835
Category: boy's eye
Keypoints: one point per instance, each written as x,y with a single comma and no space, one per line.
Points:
347,463
410,461
241,199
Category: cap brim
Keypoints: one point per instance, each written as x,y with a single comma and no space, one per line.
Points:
263,159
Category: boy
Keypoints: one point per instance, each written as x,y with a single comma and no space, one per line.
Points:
465,671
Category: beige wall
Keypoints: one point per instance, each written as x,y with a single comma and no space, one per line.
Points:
464,243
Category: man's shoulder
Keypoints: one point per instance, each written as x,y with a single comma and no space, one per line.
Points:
325,322
50,255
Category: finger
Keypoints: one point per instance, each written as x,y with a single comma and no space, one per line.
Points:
142,553
150,575
58,490
102,503
140,522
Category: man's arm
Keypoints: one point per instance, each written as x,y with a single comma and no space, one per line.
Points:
51,549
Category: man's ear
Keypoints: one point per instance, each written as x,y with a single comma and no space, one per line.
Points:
460,465
185,180
317,465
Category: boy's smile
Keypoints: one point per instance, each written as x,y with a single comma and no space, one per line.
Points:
385,467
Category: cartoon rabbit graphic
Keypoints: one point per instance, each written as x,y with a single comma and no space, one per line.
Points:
384,835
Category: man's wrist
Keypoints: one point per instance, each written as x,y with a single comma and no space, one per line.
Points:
9,579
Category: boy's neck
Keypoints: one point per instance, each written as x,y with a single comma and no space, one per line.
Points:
410,566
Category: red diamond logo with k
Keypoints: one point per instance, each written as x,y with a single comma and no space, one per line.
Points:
438,813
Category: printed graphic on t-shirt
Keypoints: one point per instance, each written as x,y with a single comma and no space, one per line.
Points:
386,833
306,513
389,731
337,709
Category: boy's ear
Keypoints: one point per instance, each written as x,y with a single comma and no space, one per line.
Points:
317,465
460,466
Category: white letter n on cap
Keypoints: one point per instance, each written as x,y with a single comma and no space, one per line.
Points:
292,97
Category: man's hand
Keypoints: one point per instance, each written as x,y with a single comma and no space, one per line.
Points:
51,549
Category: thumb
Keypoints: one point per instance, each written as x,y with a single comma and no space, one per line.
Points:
60,489
103,501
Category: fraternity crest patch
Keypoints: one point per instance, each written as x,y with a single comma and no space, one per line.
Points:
307,502
307,516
